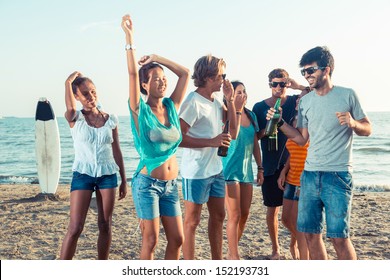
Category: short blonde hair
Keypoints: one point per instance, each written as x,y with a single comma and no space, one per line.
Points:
207,66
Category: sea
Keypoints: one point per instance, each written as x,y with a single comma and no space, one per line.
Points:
371,155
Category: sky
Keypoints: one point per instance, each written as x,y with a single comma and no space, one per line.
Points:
43,41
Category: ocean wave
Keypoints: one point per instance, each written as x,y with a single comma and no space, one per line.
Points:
17,180
372,150
372,188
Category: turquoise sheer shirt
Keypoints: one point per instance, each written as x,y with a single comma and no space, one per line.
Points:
237,166
155,142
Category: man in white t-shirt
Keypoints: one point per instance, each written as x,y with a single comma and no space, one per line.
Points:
201,119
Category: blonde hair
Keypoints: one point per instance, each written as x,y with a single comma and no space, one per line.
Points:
207,66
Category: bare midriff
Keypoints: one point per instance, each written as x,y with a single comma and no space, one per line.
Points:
169,170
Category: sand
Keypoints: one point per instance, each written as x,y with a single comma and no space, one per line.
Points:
32,226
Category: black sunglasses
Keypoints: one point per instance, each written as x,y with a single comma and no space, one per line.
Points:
311,70
275,84
223,76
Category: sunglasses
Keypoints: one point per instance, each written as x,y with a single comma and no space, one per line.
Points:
223,76
311,70
275,84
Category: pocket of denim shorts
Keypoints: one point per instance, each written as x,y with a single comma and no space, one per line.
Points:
137,183
77,175
144,185
345,178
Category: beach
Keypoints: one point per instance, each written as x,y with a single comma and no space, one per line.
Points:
33,225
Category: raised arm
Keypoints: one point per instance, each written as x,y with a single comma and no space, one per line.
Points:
134,89
239,103
228,92
70,100
180,71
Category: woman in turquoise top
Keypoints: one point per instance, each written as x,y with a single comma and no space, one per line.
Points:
156,131
237,169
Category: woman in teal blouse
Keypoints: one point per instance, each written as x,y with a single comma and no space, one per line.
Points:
156,131
237,169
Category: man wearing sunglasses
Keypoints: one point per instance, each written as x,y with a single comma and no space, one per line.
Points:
328,115
273,161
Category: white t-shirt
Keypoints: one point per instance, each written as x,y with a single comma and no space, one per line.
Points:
205,120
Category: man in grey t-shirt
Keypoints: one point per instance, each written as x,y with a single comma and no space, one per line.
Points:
328,115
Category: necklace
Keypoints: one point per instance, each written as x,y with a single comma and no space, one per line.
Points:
94,124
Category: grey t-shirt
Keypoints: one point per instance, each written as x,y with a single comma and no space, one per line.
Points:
330,146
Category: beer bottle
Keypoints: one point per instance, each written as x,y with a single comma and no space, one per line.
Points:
222,150
271,129
271,125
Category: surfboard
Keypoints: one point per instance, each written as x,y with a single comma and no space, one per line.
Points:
47,147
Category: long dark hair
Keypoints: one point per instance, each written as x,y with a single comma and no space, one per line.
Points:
246,110
143,73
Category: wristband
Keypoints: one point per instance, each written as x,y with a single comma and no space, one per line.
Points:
280,123
238,113
129,47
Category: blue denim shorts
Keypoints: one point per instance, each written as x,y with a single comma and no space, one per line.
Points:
199,190
154,198
291,192
328,193
85,182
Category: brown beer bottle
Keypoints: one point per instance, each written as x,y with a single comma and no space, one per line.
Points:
222,150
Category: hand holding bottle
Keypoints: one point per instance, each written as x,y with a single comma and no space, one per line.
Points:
273,117
225,143
271,113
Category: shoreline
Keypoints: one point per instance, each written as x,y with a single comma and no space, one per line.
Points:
32,226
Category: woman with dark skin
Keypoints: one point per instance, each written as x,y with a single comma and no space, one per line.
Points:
98,158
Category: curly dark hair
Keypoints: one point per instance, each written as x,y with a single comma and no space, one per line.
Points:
79,81
321,55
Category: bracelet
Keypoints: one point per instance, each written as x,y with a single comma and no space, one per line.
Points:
260,168
280,123
238,113
129,47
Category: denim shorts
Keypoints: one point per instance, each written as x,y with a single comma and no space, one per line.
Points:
154,198
199,190
291,192
328,193
85,182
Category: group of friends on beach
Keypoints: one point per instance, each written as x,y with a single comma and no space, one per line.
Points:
310,181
